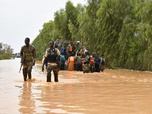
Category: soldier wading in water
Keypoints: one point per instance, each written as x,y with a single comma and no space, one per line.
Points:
28,56
52,58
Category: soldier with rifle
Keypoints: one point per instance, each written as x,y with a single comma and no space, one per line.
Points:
28,58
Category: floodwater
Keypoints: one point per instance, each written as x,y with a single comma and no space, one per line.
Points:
108,92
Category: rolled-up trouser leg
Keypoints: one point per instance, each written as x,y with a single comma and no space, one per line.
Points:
24,73
49,77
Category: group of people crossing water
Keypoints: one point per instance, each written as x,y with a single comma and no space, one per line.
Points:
55,60
80,60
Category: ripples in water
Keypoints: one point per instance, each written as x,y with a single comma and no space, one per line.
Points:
108,92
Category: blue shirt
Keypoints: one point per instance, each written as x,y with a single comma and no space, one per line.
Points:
62,59
63,49
97,59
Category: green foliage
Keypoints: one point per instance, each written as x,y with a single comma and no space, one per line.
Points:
41,41
5,56
119,29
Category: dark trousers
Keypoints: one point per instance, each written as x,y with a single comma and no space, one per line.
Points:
92,68
49,77
55,71
79,66
62,67
25,73
97,68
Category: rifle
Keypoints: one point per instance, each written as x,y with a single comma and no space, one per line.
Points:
22,61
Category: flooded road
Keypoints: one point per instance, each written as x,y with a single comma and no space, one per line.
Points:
108,92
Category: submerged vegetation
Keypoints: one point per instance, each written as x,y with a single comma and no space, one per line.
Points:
119,29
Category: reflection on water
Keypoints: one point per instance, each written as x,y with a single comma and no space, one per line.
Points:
109,92
26,97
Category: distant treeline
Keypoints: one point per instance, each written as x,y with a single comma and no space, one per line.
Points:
119,29
5,51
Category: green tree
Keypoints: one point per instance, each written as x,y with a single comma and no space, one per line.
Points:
119,29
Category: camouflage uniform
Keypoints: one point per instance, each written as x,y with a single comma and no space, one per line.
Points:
92,65
86,66
53,60
30,56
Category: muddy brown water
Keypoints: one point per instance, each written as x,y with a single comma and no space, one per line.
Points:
108,92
